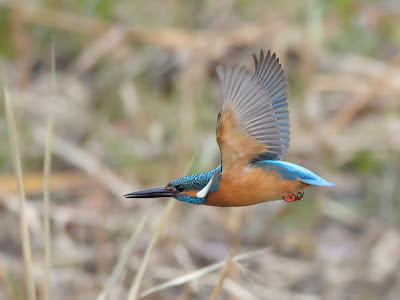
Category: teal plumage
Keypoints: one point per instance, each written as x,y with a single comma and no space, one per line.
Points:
195,182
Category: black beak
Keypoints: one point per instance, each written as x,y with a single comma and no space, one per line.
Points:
159,192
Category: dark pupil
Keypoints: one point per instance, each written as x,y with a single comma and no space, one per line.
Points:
180,188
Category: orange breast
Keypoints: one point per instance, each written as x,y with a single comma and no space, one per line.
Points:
251,185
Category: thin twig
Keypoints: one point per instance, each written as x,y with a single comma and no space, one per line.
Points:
134,290
46,185
224,272
26,245
46,210
123,259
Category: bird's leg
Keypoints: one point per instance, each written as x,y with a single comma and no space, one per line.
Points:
289,197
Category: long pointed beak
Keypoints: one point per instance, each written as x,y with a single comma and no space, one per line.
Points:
158,192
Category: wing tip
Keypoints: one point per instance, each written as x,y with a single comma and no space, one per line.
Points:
264,57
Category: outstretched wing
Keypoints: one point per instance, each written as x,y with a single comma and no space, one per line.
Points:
247,124
270,73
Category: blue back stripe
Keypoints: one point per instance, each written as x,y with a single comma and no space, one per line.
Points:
292,171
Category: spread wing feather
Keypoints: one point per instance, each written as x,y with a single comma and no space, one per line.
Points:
247,125
270,73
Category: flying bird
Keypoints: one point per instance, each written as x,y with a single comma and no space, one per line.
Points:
253,136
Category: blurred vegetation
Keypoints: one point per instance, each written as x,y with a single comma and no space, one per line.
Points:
136,103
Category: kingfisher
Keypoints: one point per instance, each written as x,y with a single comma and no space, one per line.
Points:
253,136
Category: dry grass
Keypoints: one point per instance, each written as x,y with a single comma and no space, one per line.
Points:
224,273
136,97
202,272
134,290
46,185
24,231
123,259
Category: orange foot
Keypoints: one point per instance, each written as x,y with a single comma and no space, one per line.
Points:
290,197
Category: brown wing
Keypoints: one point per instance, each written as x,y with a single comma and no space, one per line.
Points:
247,125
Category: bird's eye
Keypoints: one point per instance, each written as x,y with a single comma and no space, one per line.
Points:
180,188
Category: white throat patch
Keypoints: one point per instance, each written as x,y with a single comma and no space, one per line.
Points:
203,192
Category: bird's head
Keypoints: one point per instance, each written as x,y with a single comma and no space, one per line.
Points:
191,189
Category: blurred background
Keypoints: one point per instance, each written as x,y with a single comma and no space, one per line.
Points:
135,105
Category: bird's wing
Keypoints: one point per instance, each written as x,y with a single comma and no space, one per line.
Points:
270,73
247,125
